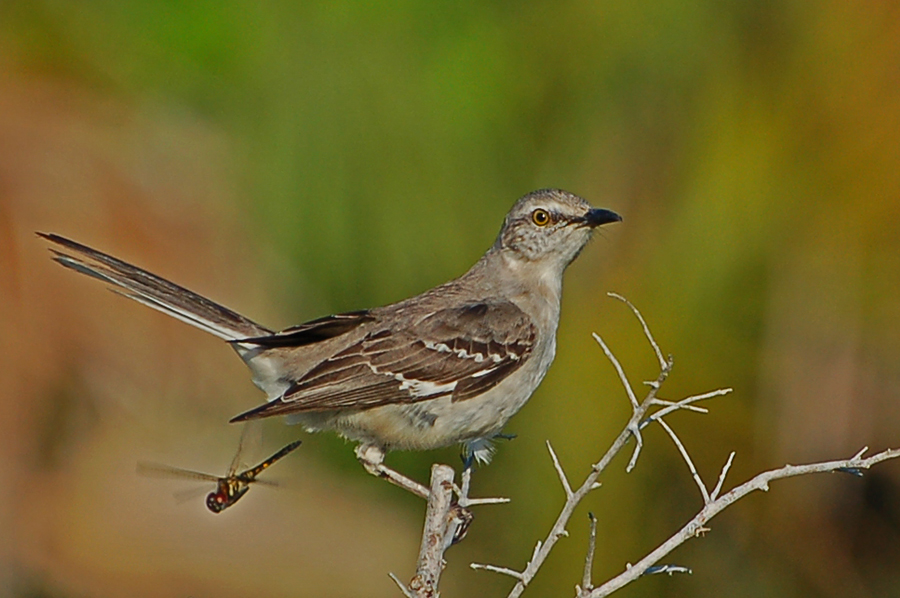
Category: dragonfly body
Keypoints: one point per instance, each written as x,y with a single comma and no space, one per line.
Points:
230,487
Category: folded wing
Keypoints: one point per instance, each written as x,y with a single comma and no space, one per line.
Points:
460,351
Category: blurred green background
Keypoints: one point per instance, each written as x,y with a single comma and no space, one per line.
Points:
297,159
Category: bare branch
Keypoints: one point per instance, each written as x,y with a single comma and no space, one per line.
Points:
713,508
463,493
715,493
401,585
591,482
495,569
639,410
586,583
401,481
687,459
537,550
558,530
495,500
683,404
638,445
559,471
619,370
713,503
437,535
679,406
466,483
372,459
659,355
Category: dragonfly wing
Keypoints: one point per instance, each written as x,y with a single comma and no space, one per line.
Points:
270,483
251,436
159,470
183,496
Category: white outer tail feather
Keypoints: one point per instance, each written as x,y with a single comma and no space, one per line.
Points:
156,292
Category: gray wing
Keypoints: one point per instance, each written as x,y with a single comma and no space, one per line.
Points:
461,351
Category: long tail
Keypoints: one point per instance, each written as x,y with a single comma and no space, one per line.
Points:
155,292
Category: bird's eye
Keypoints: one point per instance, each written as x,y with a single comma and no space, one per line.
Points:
540,217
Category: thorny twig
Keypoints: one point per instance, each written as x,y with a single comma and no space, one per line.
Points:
687,459
713,504
586,584
559,471
463,493
574,497
446,522
659,355
684,404
696,525
401,586
715,493
437,535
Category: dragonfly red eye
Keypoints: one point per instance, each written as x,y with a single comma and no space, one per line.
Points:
217,502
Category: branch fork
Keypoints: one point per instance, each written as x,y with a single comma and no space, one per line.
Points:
441,522
713,500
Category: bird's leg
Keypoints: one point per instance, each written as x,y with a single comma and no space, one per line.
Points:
480,450
467,457
372,459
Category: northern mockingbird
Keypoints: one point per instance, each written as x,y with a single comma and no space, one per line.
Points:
451,365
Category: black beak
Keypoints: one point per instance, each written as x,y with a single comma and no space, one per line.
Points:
597,216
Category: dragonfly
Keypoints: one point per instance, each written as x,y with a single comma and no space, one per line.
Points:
230,487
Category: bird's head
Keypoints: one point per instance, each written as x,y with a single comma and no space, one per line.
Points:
550,227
